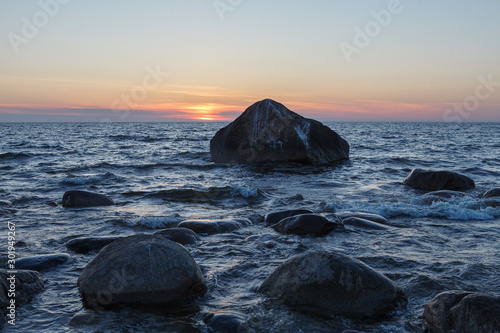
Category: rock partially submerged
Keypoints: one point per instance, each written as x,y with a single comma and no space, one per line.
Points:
438,180
363,223
90,244
80,199
182,236
42,262
444,195
461,311
226,322
275,217
268,131
493,193
215,226
307,224
141,270
27,284
331,283
366,216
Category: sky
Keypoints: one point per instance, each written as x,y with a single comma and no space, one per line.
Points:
208,60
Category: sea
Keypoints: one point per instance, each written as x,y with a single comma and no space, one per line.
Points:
160,174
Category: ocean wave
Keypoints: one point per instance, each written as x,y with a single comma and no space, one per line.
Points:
465,208
204,195
14,156
106,178
155,222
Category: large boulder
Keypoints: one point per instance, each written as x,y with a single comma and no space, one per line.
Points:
331,283
90,244
268,131
78,199
460,311
27,284
307,224
438,180
215,226
141,270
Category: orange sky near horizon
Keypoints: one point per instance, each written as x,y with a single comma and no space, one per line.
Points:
93,61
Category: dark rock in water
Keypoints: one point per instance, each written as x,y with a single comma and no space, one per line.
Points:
273,218
142,270
27,284
270,244
268,131
307,224
366,216
5,203
226,323
438,180
90,244
494,192
331,283
182,236
437,196
51,203
215,226
460,311
42,262
77,199
362,223
86,319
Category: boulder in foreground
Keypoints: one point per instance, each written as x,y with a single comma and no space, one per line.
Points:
269,132
331,283
141,270
461,311
79,199
438,180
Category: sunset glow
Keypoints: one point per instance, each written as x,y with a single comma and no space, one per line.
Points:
214,69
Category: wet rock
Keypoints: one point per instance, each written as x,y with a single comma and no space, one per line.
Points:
86,319
307,224
438,180
78,199
459,311
142,270
275,217
51,203
270,244
365,224
331,283
182,236
90,244
437,196
367,216
5,203
215,226
494,192
42,262
226,323
28,283
268,131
